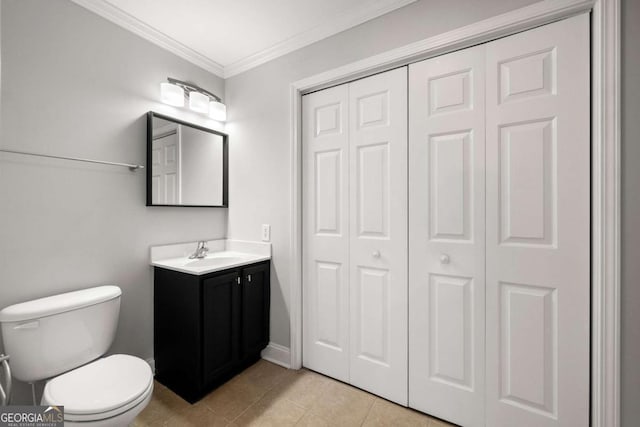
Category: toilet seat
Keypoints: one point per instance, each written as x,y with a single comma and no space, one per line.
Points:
101,389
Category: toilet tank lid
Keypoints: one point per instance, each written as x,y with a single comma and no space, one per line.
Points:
60,303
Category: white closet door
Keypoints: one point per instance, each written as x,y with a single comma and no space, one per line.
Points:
325,152
378,253
446,236
538,145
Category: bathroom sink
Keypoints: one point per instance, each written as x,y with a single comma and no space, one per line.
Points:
215,261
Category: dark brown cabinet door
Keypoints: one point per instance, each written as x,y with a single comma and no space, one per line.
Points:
221,324
255,309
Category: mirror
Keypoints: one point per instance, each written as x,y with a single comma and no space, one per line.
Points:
186,164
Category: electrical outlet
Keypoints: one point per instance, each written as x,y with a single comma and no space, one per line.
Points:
266,233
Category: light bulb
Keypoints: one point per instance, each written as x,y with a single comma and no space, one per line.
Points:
172,94
218,111
199,102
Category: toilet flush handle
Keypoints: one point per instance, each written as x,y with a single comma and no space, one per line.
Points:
28,325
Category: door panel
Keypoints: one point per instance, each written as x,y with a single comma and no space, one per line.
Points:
255,309
446,236
325,154
328,207
528,338
378,243
451,328
372,191
538,230
527,183
450,186
221,294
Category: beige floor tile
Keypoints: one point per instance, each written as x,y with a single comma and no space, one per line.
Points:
304,387
269,395
265,375
198,415
163,405
311,420
385,413
143,422
233,398
273,397
272,410
341,404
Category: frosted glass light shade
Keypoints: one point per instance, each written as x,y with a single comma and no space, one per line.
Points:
172,94
218,111
199,102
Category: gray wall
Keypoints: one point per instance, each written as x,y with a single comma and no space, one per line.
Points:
76,84
259,122
630,369
202,166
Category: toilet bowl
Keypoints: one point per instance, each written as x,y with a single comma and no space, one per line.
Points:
61,339
110,391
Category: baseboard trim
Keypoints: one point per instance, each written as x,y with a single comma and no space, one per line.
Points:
278,354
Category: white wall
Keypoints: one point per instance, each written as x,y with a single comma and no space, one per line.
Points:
259,122
75,84
201,167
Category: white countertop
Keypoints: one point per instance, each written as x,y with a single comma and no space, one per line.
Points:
223,254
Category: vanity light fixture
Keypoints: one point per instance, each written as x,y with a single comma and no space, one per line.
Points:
200,100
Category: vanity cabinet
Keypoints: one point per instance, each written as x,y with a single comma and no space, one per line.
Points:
209,327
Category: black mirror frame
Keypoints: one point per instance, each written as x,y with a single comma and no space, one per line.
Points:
225,160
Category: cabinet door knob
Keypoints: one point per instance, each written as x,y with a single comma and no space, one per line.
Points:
238,279
249,278
444,259
376,254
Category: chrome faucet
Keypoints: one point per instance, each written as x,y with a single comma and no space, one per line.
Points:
201,251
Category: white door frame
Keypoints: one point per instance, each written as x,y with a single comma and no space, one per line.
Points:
605,170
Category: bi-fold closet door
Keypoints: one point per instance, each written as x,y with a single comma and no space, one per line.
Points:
447,236
355,233
499,231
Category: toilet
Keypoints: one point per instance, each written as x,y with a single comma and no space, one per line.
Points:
62,339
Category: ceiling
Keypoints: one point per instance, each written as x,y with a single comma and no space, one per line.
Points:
229,37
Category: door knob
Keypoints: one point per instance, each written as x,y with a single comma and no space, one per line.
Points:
376,254
444,259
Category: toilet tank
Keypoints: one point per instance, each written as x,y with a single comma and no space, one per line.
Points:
48,336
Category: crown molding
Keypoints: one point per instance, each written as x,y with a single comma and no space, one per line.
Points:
129,22
344,21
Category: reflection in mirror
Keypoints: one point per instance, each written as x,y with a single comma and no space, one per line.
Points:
187,164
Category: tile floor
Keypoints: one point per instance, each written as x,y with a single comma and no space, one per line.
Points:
269,395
